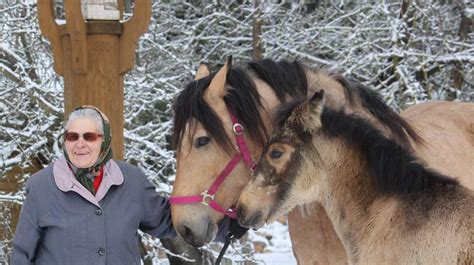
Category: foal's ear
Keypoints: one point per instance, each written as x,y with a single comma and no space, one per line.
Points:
308,113
316,101
215,93
202,71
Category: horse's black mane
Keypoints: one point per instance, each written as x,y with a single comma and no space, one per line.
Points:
393,167
372,101
283,77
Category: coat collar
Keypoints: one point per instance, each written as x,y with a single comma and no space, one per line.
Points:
66,181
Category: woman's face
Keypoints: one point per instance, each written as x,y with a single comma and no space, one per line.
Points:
83,153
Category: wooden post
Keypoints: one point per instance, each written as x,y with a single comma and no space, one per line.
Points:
94,54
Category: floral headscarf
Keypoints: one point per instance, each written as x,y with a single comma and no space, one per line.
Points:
86,175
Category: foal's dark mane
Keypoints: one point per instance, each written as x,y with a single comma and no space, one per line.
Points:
242,99
392,166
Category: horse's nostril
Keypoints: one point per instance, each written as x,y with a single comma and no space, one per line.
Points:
188,234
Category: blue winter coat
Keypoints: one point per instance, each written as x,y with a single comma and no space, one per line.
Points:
62,223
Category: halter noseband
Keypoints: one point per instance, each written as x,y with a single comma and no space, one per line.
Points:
207,196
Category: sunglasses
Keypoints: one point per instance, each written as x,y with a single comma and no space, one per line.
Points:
88,136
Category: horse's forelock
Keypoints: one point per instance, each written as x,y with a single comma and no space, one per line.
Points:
190,108
242,99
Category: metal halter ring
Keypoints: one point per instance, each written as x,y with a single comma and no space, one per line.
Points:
206,195
238,129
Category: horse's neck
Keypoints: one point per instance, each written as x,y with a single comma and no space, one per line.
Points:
336,98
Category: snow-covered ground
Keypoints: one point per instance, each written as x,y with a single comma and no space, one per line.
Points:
272,246
277,258
277,250
279,246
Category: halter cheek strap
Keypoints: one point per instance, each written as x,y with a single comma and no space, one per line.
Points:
239,137
207,197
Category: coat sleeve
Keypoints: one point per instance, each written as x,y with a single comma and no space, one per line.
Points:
223,229
157,214
27,234
156,219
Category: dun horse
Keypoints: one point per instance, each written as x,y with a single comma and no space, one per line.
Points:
205,140
385,204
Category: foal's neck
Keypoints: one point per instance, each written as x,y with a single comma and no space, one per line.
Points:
349,196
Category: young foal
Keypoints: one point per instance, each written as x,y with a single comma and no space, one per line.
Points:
385,205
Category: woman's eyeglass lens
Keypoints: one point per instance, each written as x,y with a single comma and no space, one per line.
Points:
88,136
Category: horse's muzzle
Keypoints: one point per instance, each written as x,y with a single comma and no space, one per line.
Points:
197,233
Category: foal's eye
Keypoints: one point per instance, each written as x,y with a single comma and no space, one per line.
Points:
275,154
202,141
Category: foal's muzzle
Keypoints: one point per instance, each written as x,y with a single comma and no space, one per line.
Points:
250,220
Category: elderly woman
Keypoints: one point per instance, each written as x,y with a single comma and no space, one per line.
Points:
86,208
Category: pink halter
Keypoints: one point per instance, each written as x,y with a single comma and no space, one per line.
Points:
207,196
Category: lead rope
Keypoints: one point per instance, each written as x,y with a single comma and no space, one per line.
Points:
235,231
228,237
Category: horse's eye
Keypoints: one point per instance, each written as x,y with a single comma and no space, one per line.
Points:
202,141
275,154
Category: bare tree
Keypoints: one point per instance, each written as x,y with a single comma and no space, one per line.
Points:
409,50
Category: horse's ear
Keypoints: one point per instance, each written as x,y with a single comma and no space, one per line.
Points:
216,91
308,113
202,71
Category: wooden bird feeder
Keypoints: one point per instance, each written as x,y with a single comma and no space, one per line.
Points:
93,50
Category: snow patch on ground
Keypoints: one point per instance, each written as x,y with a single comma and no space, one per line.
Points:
278,244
